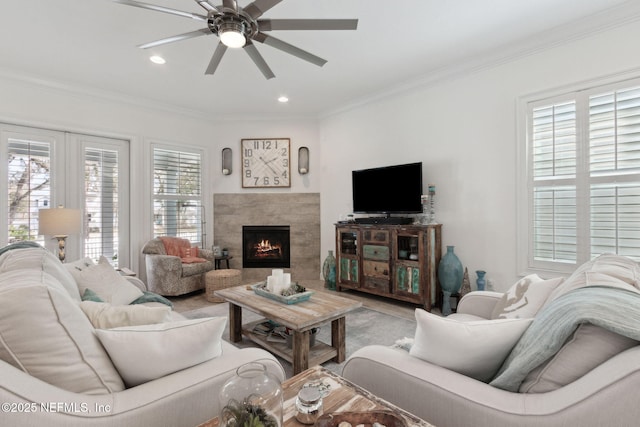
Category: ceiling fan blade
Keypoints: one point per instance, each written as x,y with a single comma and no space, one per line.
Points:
257,8
157,8
250,48
307,24
230,4
290,49
216,58
177,38
207,6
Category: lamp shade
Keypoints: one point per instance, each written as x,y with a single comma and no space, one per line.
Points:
59,222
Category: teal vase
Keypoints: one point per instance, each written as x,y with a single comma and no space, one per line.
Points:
450,276
481,281
329,272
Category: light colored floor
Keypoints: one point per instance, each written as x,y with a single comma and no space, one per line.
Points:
401,309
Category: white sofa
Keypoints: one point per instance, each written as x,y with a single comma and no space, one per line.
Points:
35,373
591,381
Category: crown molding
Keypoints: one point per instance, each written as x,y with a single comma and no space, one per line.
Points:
597,23
139,102
618,16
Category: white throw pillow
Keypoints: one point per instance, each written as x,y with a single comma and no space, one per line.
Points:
105,281
144,353
476,349
106,316
43,332
525,298
78,264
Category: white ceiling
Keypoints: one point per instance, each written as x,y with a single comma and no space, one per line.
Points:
90,45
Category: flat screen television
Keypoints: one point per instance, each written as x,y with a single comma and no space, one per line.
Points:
388,190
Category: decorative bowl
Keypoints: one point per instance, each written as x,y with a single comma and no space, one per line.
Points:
261,289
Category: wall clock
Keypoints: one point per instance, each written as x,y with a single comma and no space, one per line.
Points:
266,163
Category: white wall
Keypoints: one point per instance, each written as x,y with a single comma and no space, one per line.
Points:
34,104
462,129
464,132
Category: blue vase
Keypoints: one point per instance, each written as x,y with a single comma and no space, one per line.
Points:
450,276
480,281
329,272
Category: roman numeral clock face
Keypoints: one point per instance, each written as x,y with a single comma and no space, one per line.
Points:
266,163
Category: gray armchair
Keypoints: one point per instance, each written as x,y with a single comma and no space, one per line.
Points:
167,275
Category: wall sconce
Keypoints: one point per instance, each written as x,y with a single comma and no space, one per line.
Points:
59,223
303,160
226,161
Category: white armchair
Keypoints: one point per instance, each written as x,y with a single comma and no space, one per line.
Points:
587,376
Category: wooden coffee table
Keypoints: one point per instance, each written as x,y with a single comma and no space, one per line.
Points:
301,318
343,397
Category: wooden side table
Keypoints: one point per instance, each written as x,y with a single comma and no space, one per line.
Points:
220,258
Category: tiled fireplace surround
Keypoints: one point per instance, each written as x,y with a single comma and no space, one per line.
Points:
300,211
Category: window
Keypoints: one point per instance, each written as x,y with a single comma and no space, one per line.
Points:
583,175
27,179
29,187
101,203
47,168
102,173
177,203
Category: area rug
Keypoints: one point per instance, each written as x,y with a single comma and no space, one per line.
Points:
363,325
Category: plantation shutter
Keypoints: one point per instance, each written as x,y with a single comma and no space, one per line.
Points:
554,182
584,176
614,165
101,203
29,179
177,184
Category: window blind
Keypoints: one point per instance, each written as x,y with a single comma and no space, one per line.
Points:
584,175
614,165
101,204
554,182
177,184
29,178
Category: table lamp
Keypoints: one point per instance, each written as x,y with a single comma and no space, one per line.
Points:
60,223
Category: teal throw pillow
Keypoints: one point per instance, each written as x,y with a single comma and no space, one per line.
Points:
89,295
152,297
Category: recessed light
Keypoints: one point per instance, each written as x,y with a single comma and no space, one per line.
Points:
157,59
283,99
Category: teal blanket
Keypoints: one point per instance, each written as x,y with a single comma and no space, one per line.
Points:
614,309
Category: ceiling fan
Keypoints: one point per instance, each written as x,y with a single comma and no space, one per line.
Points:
241,26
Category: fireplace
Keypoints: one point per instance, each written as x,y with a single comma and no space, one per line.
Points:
265,246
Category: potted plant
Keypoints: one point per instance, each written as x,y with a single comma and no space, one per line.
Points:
245,414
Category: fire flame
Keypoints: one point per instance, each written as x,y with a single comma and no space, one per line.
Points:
265,247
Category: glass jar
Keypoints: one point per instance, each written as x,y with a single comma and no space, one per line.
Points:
308,405
252,397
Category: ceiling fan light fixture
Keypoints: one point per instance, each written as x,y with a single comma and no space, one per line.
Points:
232,34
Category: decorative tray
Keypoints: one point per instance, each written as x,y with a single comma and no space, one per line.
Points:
371,418
261,289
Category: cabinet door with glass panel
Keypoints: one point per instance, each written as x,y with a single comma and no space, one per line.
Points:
348,268
409,255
